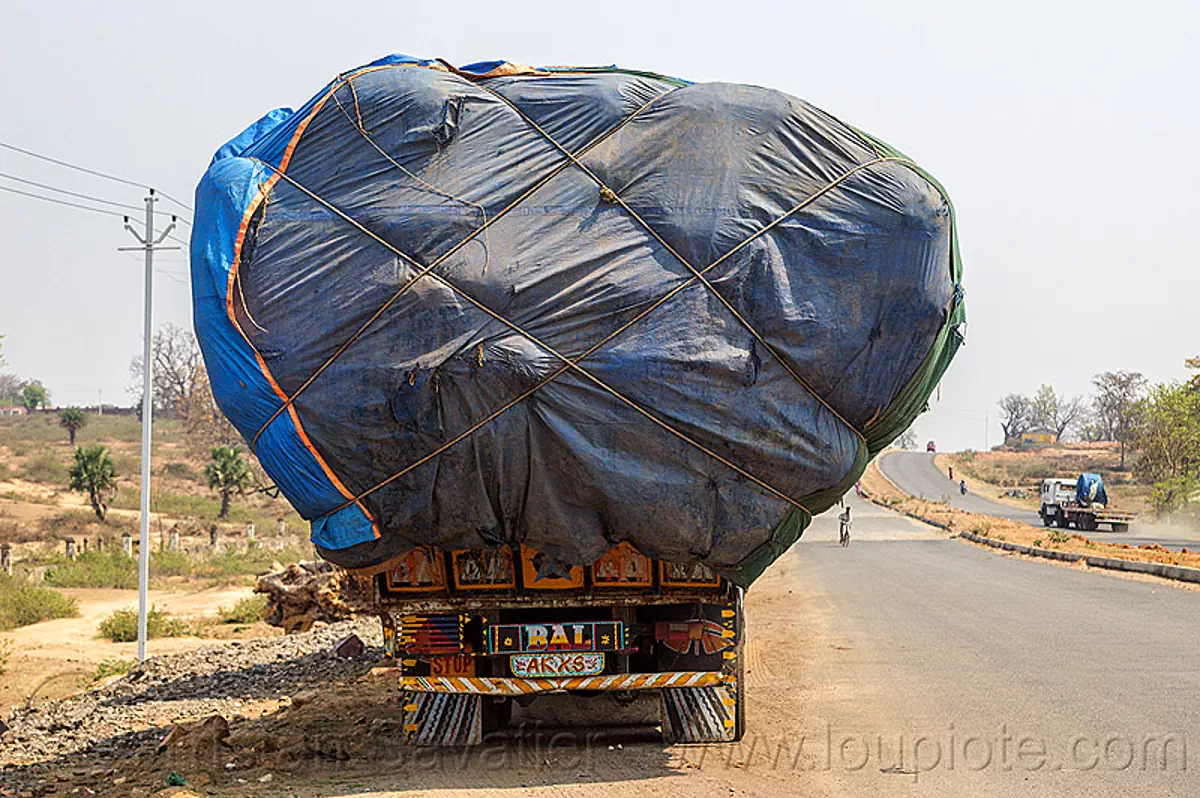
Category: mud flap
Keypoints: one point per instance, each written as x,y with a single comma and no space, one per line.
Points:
442,719
700,714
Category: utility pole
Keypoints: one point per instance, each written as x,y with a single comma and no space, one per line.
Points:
148,244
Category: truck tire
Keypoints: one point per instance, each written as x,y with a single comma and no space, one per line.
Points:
1062,521
1047,519
1122,528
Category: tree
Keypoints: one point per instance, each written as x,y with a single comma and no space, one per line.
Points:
1016,415
1048,409
10,387
93,473
206,424
1168,444
1193,363
34,395
177,363
72,420
908,440
1116,405
227,474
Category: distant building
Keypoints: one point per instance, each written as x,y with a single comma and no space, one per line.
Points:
1039,437
13,410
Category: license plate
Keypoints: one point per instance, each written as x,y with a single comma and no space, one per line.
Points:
556,638
461,665
538,665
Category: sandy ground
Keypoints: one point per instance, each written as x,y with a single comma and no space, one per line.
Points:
54,658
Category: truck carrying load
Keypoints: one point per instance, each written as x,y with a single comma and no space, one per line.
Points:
1082,503
560,309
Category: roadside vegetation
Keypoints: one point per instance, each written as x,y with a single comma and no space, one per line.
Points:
113,569
22,603
245,610
1143,439
122,625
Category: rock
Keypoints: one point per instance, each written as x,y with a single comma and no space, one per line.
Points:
266,779
303,697
350,646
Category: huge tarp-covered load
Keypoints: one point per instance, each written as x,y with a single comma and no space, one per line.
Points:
568,307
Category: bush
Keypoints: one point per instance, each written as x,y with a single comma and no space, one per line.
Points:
114,666
122,625
245,610
110,568
1058,537
22,603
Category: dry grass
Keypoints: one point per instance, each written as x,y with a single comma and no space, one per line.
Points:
882,490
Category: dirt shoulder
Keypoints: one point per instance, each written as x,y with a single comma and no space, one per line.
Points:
284,716
883,491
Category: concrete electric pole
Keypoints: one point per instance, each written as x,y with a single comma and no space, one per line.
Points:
148,244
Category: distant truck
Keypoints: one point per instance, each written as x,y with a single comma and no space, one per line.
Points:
1080,502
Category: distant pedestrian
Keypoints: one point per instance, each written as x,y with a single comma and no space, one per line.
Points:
844,527
858,489
962,486
951,473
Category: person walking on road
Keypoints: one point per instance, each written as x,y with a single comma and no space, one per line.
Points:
844,528
951,473
962,486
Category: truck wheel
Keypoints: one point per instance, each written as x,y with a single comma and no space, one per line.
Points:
1120,528
1047,519
1062,521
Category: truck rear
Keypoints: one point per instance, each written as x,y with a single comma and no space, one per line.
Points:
474,632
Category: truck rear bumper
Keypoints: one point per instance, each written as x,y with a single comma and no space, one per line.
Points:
504,686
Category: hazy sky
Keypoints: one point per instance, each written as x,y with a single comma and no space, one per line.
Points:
1063,132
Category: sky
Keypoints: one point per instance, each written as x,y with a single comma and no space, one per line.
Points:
1063,132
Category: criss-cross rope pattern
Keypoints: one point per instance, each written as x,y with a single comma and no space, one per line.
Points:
567,364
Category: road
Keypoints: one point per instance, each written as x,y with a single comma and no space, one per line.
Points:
916,473
953,649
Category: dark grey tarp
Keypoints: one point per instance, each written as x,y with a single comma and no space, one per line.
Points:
568,308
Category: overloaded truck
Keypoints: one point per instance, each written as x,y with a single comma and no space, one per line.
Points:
1082,503
562,358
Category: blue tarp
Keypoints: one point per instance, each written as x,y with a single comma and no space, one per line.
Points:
1089,490
567,308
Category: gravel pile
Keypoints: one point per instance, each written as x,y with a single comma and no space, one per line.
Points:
127,713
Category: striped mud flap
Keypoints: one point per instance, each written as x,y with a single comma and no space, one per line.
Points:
436,719
700,714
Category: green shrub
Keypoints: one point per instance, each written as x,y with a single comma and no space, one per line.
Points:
114,666
110,568
245,610
170,563
1037,543
22,603
122,625
1058,537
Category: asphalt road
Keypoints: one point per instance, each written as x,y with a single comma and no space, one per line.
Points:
916,474
993,675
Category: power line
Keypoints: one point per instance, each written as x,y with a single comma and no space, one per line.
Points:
84,169
64,202
70,193
83,207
